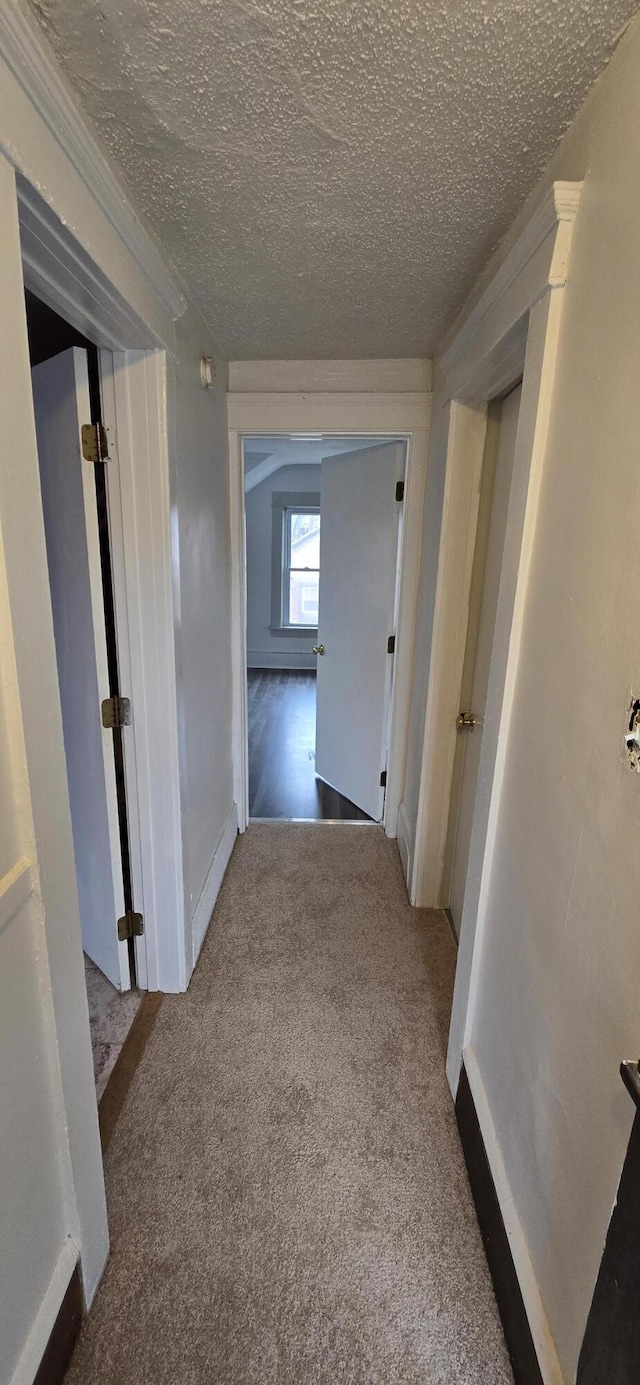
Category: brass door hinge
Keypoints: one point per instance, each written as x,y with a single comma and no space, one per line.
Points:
131,925
116,711
94,443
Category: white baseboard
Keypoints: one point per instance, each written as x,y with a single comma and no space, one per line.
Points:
403,837
268,658
45,1319
210,889
543,1342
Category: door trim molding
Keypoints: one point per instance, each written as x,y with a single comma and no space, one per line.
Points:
512,331
134,401
347,414
135,391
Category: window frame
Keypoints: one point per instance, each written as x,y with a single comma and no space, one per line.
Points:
285,503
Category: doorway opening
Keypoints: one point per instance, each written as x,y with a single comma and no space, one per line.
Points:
323,532
65,375
495,490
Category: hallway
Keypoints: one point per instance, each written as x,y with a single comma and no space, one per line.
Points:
288,1201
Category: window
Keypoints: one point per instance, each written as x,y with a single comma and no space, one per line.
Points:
301,544
296,562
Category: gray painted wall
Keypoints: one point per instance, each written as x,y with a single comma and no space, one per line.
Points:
203,604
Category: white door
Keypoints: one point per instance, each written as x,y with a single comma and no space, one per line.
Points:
62,405
358,555
492,523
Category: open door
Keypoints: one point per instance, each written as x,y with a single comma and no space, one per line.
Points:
62,405
358,562
485,583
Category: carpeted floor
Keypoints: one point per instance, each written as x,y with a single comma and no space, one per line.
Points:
288,1200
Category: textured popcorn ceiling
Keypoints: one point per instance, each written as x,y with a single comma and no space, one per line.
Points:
330,175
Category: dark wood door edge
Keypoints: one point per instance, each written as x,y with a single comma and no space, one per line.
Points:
114,1094
609,1350
64,1335
522,1353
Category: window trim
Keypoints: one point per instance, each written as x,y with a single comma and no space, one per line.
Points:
282,502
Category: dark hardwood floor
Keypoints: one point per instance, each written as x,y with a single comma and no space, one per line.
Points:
282,736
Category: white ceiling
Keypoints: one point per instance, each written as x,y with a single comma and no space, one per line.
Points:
330,177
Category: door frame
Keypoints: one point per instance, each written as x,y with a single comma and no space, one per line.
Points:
358,415
78,244
134,389
511,331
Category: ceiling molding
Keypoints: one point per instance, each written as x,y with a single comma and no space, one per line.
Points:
355,415
23,51
329,377
538,261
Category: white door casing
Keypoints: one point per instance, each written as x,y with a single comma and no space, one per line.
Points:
61,406
404,415
511,331
479,646
358,551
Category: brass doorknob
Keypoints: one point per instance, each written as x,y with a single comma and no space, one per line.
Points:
465,721
318,649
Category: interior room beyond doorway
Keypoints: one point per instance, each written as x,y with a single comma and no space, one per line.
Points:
323,525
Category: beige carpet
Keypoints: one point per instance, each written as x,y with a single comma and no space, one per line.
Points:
288,1201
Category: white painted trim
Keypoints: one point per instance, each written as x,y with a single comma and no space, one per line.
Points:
36,1343
531,440
122,596
521,278
23,50
404,843
140,404
520,312
238,558
465,444
41,776
15,887
405,416
94,566
211,888
487,355
544,1344
384,415
64,276
332,377
135,402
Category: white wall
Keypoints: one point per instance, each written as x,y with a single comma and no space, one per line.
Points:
32,1172
202,597
51,1186
557,1001
51,1182
265,650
